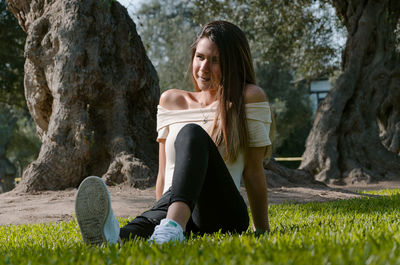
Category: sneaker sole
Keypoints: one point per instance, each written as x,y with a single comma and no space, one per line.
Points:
91,209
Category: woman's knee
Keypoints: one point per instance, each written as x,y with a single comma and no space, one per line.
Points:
191,133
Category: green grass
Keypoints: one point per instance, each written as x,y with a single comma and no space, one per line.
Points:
356,231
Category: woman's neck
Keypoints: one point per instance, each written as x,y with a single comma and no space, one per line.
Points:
206,98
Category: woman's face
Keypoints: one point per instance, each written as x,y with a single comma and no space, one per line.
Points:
206,67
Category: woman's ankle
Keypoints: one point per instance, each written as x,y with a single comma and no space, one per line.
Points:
180,213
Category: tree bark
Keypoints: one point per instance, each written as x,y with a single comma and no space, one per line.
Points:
92,93
356,131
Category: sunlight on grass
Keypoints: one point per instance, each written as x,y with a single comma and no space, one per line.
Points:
385,192
356,231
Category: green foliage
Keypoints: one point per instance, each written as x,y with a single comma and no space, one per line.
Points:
24,143
297,36
356,231
18,139
7,122
167,30
12,40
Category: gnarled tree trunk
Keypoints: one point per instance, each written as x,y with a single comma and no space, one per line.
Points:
356,131
92,92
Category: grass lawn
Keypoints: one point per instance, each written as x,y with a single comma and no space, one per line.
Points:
356,231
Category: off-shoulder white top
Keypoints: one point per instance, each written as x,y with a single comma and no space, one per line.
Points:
170,122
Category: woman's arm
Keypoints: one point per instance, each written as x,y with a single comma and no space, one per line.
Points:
253,174
256,188
167,100
161,169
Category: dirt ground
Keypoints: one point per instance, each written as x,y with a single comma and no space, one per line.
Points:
55,206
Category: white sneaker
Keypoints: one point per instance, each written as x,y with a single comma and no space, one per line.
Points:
94,214
167,231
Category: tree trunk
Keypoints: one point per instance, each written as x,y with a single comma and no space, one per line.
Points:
356,131
92,93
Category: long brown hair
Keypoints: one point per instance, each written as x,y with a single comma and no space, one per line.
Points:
236,72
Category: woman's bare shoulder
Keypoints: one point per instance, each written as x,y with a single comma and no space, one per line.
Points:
174,99
254,93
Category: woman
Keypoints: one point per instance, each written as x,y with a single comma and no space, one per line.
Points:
208,140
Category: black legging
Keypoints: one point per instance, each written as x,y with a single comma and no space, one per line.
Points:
202,180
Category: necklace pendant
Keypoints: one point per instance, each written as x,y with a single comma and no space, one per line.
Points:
205,121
